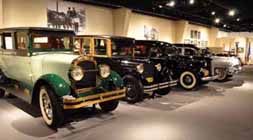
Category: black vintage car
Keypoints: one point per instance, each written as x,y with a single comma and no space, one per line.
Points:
191,72
139,75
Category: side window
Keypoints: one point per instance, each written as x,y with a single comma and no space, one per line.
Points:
22,41
141,50
82,45
1,42
8,42
100,46
155,52
86,45
189,52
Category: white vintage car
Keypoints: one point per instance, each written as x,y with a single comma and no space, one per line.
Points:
39,66
226,66
223,66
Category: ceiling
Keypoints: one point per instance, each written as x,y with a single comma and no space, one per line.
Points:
199,12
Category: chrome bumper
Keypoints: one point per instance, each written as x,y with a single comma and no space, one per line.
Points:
209,78
234,70
154,87
70,102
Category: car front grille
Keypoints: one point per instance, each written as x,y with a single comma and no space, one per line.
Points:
89,79
149,70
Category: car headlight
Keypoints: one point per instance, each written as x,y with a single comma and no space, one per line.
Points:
77,73
104,71
140,68
158,67
206,64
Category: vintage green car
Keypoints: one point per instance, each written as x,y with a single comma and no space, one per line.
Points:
38,66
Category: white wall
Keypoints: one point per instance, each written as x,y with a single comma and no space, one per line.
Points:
204,31
19,13
166,28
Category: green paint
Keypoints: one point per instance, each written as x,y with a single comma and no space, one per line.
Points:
104,85
60,86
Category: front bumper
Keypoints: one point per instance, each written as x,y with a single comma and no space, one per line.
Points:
158,86
234,70
209,78
75,103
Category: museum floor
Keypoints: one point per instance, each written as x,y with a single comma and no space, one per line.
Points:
218,111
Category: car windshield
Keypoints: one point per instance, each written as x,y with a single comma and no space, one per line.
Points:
171,50
122,47
51,42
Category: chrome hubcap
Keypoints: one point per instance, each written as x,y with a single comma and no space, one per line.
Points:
47,106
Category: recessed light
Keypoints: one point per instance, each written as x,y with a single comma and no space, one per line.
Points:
191,2
238,19
213,13
231,13
225,25
217,20
171,3
160,6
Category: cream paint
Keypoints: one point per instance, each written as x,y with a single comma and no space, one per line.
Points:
204,32
166,28
53,63
19,68
30,69
18,13
1,13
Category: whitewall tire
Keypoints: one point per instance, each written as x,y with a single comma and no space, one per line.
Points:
188,80
51,109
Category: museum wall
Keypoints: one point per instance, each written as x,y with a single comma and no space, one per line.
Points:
1,13
96,19
24,13
143,27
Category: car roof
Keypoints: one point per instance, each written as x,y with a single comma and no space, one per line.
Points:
107,36
186,45
151,42
37,29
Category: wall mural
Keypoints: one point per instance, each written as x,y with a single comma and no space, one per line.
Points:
151,33
66,15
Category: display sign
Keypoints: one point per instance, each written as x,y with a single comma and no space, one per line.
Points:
66,15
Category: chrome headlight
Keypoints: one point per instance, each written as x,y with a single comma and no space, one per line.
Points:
104,71
77,73
140,68
158,67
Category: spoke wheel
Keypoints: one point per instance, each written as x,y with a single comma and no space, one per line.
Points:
50,107
134,91
46,107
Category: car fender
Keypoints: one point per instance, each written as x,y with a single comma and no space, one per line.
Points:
59,85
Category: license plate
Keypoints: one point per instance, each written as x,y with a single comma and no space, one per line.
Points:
150,79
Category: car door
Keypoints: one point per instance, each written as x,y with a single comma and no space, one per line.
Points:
17,63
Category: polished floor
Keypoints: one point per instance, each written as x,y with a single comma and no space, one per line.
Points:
218,111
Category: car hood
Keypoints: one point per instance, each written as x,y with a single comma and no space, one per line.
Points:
58,64
232,61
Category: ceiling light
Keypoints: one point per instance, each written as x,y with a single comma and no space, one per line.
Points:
160,6
217,20
191,2
238,19
231,13
213,13
225,25
171,3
